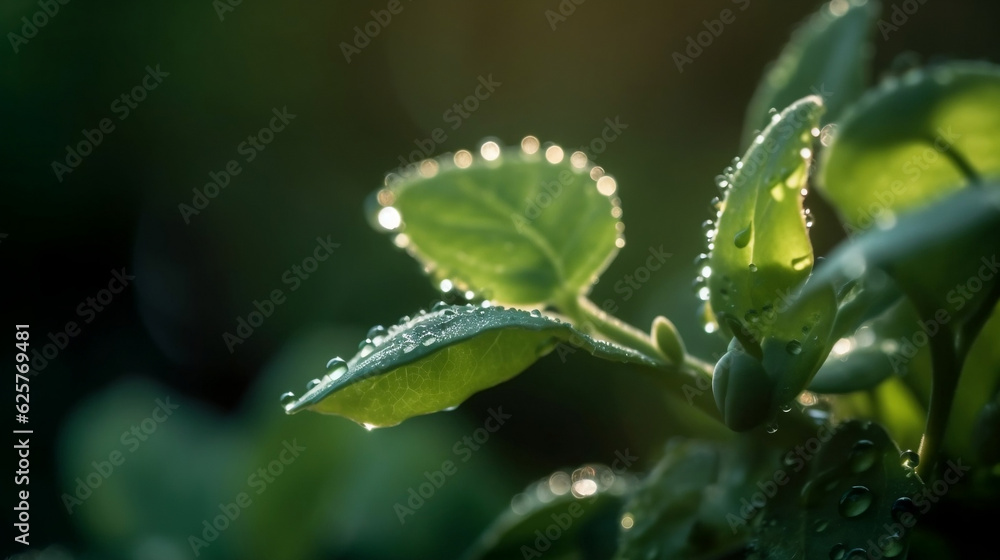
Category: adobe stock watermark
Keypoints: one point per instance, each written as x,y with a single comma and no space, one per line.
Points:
122,107
627,286
259,480
631,283
224,7
959,296
879,213
31,26
249,148
455,115
42,354
293,277
905,510
364,34
551,190
585,483
899,14
131,439
696,44
752,328
463,448
563,10
795,460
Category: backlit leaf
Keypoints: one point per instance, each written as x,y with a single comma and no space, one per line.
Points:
912,141
437,360
827,56
760,248
522,226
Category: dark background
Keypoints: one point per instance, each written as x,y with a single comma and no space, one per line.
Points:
162,336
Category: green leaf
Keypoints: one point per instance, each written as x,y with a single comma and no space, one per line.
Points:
892,403
849,495
978,385
798,345
919,252
668,340
750,388
870,355
436,360
689,505
552,519
912,141
760,248
511,226
828,56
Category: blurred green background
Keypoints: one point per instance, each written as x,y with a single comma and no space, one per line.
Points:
226,69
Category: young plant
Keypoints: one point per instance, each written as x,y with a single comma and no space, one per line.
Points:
911,167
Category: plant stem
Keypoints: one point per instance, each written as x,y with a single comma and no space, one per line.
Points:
947,366
589,316
690,380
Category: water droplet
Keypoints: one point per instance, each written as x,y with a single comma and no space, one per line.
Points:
903,506
312,383
794,347
439,306
377,331
389,218
828,134
910,459
768,313
772,427
855,501
335,368
287,398
584,482
751,316
429,340
704,293
702,258
820,525
365,342
707,225
742,238
838,552
863,456
535,313
857,554
753,267
787,407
